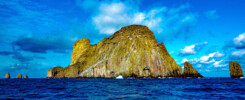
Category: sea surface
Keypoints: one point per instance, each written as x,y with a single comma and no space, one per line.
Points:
173,88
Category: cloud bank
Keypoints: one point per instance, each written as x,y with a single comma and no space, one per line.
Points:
163,21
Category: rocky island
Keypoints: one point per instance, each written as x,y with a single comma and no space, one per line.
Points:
19,76
7,76
235,70
131,52
25,76
189,71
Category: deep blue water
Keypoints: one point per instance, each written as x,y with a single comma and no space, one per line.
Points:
174,88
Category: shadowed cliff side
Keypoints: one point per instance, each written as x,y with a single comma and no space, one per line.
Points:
189,71
131,52
235,70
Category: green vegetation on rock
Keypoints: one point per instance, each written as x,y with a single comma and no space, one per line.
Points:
189,71
235,70
131,52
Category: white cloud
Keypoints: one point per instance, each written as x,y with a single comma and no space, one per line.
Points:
206,58
139,17
211,14
189,49
110,17
217,64
199,65
239,41
218,54
210,58
192,49
238,53
195,60
184,60
208,62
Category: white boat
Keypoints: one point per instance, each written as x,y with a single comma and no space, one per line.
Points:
119,77
242,77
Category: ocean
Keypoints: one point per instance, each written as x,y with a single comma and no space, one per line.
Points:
173,88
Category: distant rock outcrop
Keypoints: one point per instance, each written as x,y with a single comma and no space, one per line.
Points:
235,70
131,52
189,71
19,76
7,75
25,76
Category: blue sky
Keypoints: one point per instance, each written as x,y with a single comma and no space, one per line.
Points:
36,35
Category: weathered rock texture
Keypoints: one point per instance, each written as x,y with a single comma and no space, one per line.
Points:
235,70
7,75
25,76
131,52
189,71
19,76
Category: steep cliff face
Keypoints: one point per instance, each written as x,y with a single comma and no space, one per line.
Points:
131,52
235,70
189,71
7,75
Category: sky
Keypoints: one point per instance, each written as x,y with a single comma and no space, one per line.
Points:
36,35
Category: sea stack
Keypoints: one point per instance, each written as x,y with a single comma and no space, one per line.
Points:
25,76
235,70
7,76
189,71
19,76
131,52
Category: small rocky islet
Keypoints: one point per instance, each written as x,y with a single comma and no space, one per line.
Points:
19,76
25,76
7,76
235,70
189,71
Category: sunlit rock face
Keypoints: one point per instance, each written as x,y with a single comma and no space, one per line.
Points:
235,70
189,71
7,75
131,52
19,76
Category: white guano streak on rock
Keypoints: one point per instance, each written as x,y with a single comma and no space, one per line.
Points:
92,66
